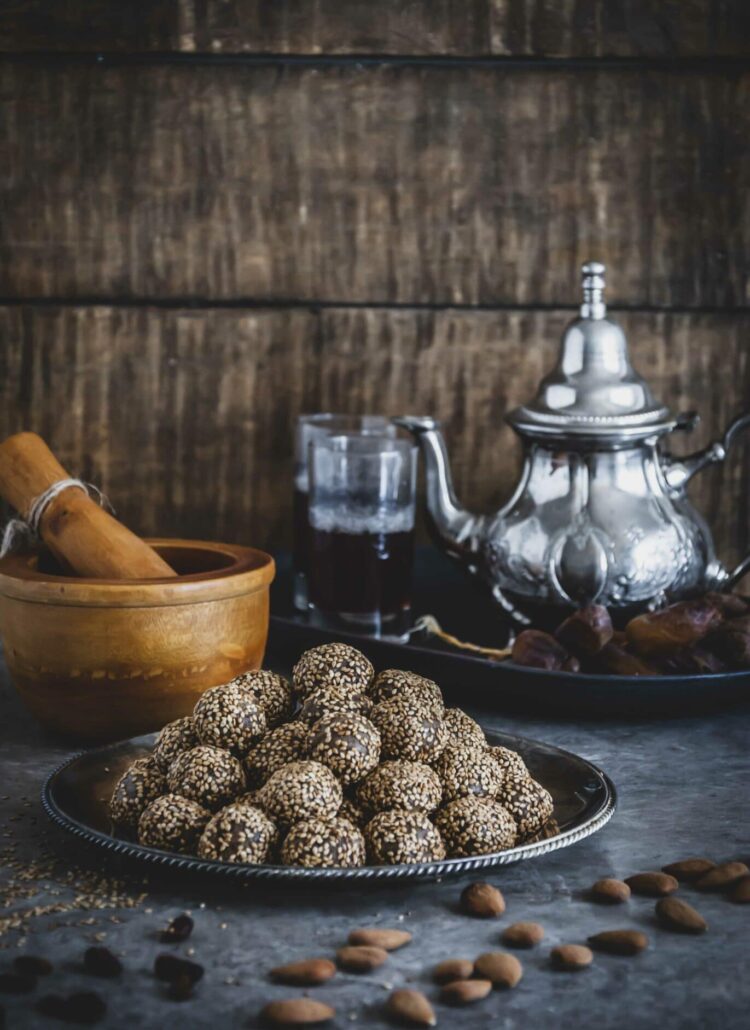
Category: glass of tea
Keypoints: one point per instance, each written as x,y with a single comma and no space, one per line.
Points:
311,427
361,535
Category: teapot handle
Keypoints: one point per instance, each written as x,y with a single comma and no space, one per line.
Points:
737,426
679,471
719,451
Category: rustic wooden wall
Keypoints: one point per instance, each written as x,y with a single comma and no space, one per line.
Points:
216,215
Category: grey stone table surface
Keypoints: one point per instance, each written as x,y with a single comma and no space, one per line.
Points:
683,787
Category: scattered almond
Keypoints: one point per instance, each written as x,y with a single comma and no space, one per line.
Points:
465,992
388,940
361,958
523,935
609,891
306,973
297,1012
722,876
676,914
453,969
482,900
571,957
411,1007
620,942
500,968
689,869
652,885
740,892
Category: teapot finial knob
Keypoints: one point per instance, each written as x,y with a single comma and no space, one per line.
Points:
592,279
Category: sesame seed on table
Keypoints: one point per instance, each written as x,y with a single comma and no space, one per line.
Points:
679,781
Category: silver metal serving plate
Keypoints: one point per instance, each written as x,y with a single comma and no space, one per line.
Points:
75,797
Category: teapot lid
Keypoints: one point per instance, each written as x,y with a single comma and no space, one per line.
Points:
593,390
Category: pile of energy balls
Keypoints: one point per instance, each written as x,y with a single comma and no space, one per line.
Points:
342,768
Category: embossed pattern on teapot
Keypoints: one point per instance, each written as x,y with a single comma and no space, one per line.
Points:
600,513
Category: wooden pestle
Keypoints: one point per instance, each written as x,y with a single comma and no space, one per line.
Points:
81,534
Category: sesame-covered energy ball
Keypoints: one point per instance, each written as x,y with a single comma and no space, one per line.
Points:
351,810
230,718
300,790
238,833
327,700
324,843
475,826
420,692
347,743
270,691
332,665
467,770
173,823
550,829
509,761
138,786
208,775
412,786
462,729
284,744
397,837
408,733
527,801
176,737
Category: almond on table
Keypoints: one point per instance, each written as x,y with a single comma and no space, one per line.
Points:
500,968
523,935
652,884
482,900
619,942
722,876
388,940
411,1008
465,992
305,973
571,957
361,958
297,1012
610,891
689,869
452,969
676,914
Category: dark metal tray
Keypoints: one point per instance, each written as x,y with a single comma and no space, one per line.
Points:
75,797
463,609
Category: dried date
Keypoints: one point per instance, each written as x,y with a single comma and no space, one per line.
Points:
586,631
657,634
731,642
616,660
731,606
102,962
171,968
695,661
538,650
178,930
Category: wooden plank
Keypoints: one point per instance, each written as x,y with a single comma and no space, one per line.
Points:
383,184
89,25
566,28
623,28
185,417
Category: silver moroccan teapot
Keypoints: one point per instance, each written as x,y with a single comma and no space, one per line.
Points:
600,513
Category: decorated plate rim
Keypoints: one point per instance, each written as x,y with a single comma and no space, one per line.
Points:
590,824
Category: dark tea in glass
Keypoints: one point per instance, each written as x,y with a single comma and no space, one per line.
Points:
310,427
361,529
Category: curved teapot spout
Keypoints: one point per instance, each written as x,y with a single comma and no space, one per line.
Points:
458,531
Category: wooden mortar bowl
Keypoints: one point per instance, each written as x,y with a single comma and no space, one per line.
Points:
100,660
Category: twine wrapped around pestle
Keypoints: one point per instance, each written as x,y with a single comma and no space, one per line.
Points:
24,532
